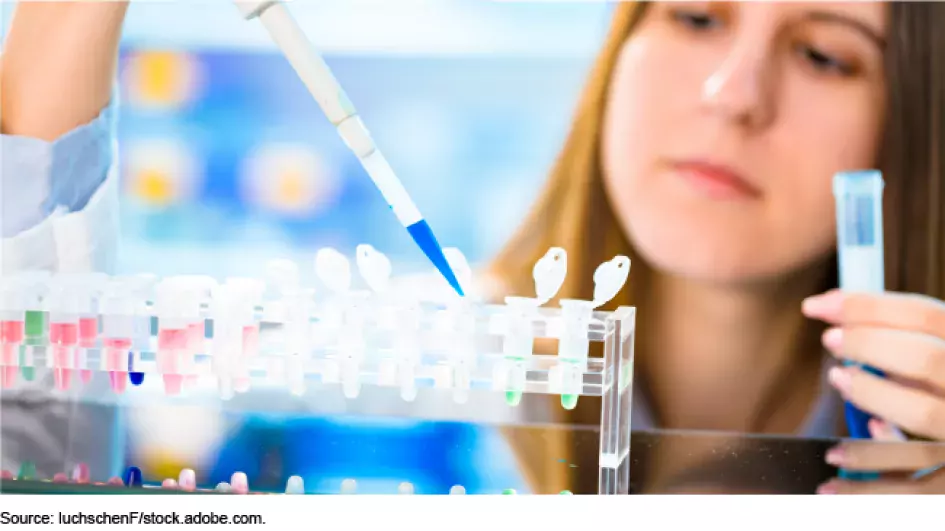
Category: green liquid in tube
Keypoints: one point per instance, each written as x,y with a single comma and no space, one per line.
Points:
569,401
26,371
566,493
513,398
35,326
509,492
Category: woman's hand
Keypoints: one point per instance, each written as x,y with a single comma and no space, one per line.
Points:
904,468
902,335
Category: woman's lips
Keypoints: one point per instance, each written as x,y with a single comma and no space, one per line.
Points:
715,181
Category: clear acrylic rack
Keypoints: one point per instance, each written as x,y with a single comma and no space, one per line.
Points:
194,337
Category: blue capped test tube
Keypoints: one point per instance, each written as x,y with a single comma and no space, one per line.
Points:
859,196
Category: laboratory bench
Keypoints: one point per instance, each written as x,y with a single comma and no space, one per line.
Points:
678,462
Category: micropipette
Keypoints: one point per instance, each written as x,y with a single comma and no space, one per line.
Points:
316,75
859,197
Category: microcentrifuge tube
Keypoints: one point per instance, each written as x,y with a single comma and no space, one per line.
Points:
27,370
408,351
516,348
405,488
457,490
118,308
298,334
177,306
12,333
573,347
67,301
351,342
609,279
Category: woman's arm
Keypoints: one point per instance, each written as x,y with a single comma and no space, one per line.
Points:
58,66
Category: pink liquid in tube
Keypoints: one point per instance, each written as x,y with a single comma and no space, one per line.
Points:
63,336
66,334
8,376
116,362
85,375
172,339
12,331
250,341
88,331
62,374
172,343
173,383
8,354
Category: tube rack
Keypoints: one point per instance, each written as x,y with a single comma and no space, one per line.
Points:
241,335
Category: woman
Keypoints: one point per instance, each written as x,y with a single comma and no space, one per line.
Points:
704,147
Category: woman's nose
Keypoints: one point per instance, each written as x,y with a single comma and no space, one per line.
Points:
741,89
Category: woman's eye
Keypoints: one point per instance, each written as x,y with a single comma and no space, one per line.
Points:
696,21
825,63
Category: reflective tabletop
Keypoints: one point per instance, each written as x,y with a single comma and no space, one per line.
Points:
683,462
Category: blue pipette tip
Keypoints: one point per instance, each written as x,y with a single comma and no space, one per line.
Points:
423,235
133,477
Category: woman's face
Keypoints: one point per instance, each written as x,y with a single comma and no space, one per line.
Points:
726,123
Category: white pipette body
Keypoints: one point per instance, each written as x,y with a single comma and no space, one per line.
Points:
316,75
334,102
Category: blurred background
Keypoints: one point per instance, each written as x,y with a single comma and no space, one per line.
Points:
227,161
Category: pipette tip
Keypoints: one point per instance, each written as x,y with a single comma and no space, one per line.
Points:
423,235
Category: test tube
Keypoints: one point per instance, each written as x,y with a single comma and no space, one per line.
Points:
234,333
251,294
177,307
143,287
202,288
568,374
859,203
119,307
93,286
12,330
408,350
573,346
68,302
227,340
298,336
517,347
351,341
